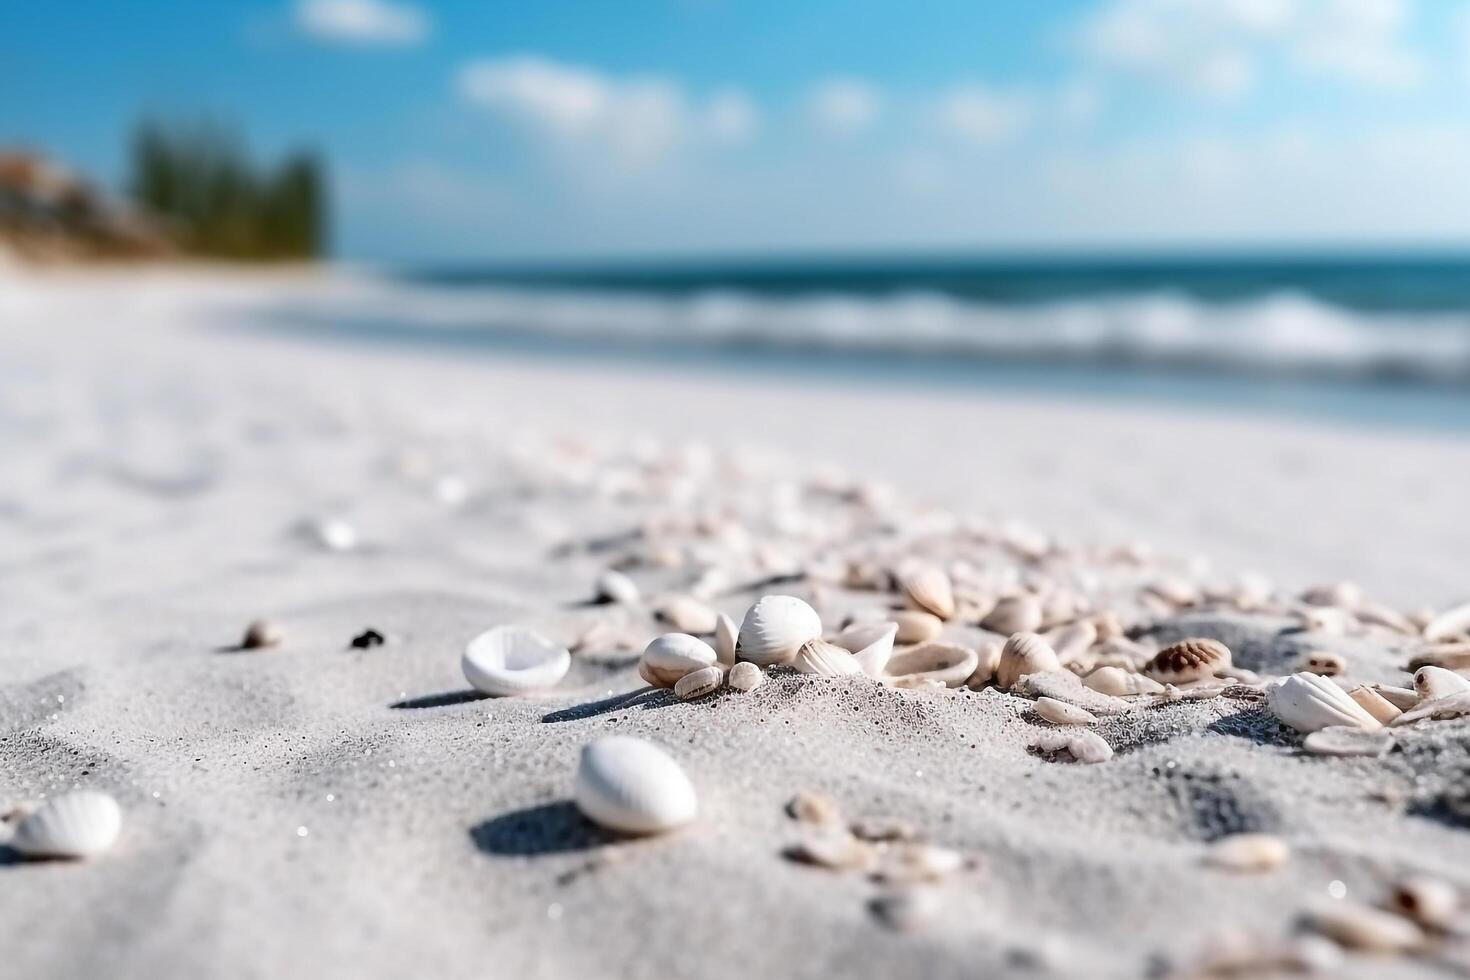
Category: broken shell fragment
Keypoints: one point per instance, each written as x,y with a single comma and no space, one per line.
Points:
946,664
1344,740
1024,653
1248,852
672,655
775,628
633,786
698,683
726,633
1374,703
871,644
510,661
1062,713
1402,698
79,824
745,677
1187,661
1453,706
1308,703
929,589
1437,682
1084,745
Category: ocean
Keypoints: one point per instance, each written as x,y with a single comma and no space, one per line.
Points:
1371,339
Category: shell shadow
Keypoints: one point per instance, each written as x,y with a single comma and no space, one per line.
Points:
1256,724
9,856
548,828
644,697
440,700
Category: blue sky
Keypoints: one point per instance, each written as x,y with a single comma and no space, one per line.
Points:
467,130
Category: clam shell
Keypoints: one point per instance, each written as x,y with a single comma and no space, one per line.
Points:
1453,706
929,589
1342,740
1062,713
1361,927
1195,659
1248,852
687,614
1024,653
1452,624
1374,703
82,823
775,628
1120,683
825,659
1437,682
745,677
698,683
1014,614
508,661
1308,703
871,644
915,626
726,633
633,786
613,586
932,663
672,655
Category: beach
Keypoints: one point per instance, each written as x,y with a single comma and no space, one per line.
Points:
176,470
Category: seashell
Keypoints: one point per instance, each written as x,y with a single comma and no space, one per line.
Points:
871,644
698,683
1062,713
1120,683
1323,663
1431,902
835,849
687,614
910,863
1187,661
1307,703
1402,698
825,659
726,634
1064,686
1452,706
1024,653
745,677
633,786
775,628
1071,642
814,808
261,633
1436,682
1343,740
508,661
1088,747
929,589
946,664
1452,624
1108,626
904,909
1450,656
987,659
1360,927
916,627
1174,591
1248,852
613,586
1014,614
1372,614
1345,595
1374,703
672,655
82,823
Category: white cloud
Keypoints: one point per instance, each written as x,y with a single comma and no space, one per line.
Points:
981,116
365,22
843,106
731,117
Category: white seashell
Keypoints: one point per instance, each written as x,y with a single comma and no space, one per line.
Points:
1342,740
825,659
1453,706
507,661
1248,852
946,664
1188,661
1402,698
1374,703
1071,642
1451,624
745,677
1014,614
987,659
1431,902
1436,682
672,655
1361,927
633,786
726,634
1088,747
1062,713
1024,653
698,683
613,586
775,628
916,627
1120,683
871,644
1308,702
687,614
929,589
1324,663
82,823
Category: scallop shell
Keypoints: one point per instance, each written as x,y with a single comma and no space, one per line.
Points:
507,661
946,664
1324,663
1452,624
613,586
633,786
1248,852
745,677
1195,659
1374,703
82,823
1436,682
1120,683
1062,713
915,626
1361,927
672,655
825,659
698,683
775,628
870,643
1014,614
1308,703
1342,740
726,634
1024,653
687,614
929,589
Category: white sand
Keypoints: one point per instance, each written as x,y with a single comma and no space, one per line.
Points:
283,818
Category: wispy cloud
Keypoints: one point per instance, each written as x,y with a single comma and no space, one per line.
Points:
981,116
362,22
844,106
